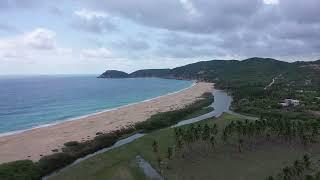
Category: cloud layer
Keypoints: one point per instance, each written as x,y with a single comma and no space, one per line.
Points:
130,35
242,27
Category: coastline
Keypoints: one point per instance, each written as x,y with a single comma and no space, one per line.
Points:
88,115
40,141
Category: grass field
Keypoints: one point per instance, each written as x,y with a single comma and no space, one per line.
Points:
225,162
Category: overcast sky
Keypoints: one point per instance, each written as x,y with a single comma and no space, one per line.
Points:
90,36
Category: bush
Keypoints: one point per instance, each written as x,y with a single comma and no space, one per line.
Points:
24,170
74,150
166,119
53,162
71,143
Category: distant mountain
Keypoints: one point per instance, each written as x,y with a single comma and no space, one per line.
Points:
164,73
253,70
114,74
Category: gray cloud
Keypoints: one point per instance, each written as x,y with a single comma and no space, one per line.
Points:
132,44
212,15
234,27
201,28
300,11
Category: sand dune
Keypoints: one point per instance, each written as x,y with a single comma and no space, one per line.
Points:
33,143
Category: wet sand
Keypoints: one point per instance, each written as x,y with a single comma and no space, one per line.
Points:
33,143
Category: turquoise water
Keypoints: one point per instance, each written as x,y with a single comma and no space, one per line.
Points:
27,102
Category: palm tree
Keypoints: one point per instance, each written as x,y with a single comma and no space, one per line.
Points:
170,152
286,173
224,136
298,167
214,129
306,160
179,144
240,144
309,177
213,142
206,133
317,176
155,146
270,178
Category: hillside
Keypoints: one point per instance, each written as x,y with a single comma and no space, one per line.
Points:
114,74
163,73
230,72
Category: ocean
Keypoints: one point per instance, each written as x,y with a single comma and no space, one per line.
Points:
34,101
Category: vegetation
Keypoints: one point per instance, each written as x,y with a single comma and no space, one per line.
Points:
231,73
114,74
73,150
199,159
24,169
166,119
247,134
303,169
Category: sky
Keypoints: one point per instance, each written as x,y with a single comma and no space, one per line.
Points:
91,36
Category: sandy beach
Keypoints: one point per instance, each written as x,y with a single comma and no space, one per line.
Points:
33,144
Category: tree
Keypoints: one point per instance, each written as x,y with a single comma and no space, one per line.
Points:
240,145
309,177
286,173
214,129
298,167
306,161
206,133
170,152
212,141
270,178
179,144
155,146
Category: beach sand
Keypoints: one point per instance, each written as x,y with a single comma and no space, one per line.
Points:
33,144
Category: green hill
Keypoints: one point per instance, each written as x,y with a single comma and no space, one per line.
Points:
114,74
234,72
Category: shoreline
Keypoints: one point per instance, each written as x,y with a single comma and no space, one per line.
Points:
35,143
57,122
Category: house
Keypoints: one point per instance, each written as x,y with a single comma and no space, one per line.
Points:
290,102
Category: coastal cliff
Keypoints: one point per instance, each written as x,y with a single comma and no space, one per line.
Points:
114,74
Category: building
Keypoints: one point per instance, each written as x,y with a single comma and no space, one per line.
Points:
290,102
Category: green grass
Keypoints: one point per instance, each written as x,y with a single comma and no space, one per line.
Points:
224,163
111,164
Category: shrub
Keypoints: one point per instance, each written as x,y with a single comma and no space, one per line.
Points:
165,119
24,169
50,163
71,143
